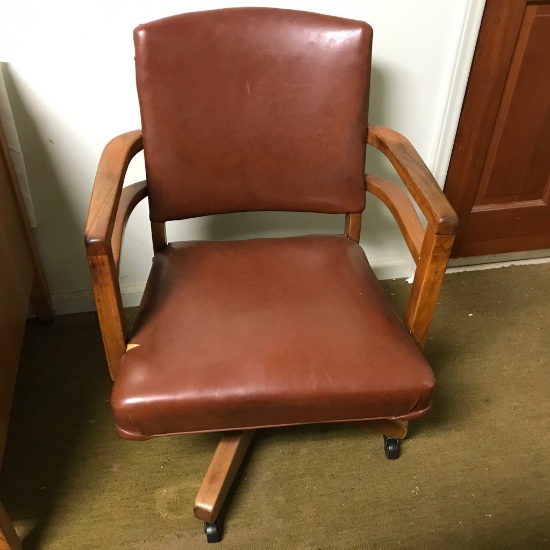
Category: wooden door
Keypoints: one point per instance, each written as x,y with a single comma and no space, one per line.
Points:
499,175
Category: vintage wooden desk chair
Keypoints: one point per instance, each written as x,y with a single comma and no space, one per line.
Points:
252,109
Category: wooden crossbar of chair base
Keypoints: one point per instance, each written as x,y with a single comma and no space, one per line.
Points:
218,479
229,455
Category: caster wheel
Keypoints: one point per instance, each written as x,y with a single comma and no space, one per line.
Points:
392,447
213,532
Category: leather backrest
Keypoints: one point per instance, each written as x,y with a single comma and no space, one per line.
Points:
253,109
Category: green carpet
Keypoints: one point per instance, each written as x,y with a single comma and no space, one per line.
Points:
474,474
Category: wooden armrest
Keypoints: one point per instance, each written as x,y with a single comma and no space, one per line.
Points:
110,207
436,241
416,176
107,191
402,210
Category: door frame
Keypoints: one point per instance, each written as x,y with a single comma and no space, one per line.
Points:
439,164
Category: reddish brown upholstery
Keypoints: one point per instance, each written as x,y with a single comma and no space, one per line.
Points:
266,332
253,109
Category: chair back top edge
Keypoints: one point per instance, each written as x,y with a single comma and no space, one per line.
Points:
247,109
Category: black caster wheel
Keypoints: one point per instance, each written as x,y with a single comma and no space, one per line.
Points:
392,447
213,532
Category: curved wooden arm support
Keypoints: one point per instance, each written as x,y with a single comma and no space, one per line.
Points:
416,176
129,199
110,207
107,190
402,209
439,235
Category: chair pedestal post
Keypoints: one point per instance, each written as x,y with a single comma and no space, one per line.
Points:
221,473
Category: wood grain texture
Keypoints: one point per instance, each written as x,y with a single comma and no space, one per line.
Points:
221,473
16,277
416,176
110,208
40,294
105,282
493,54
438,237
158,233
16,280
352,228
21,279
402,210
109,309
129,199
426,285
499,175
107,191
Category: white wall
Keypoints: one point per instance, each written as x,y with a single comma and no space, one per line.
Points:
71,84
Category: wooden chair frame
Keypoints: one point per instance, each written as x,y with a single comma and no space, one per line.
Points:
111,206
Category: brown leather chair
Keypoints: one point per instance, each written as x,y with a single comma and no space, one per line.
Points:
253,109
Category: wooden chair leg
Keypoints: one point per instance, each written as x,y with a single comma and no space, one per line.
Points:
8,537
392,428
221,473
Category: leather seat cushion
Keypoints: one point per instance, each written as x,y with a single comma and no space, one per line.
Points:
266,332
